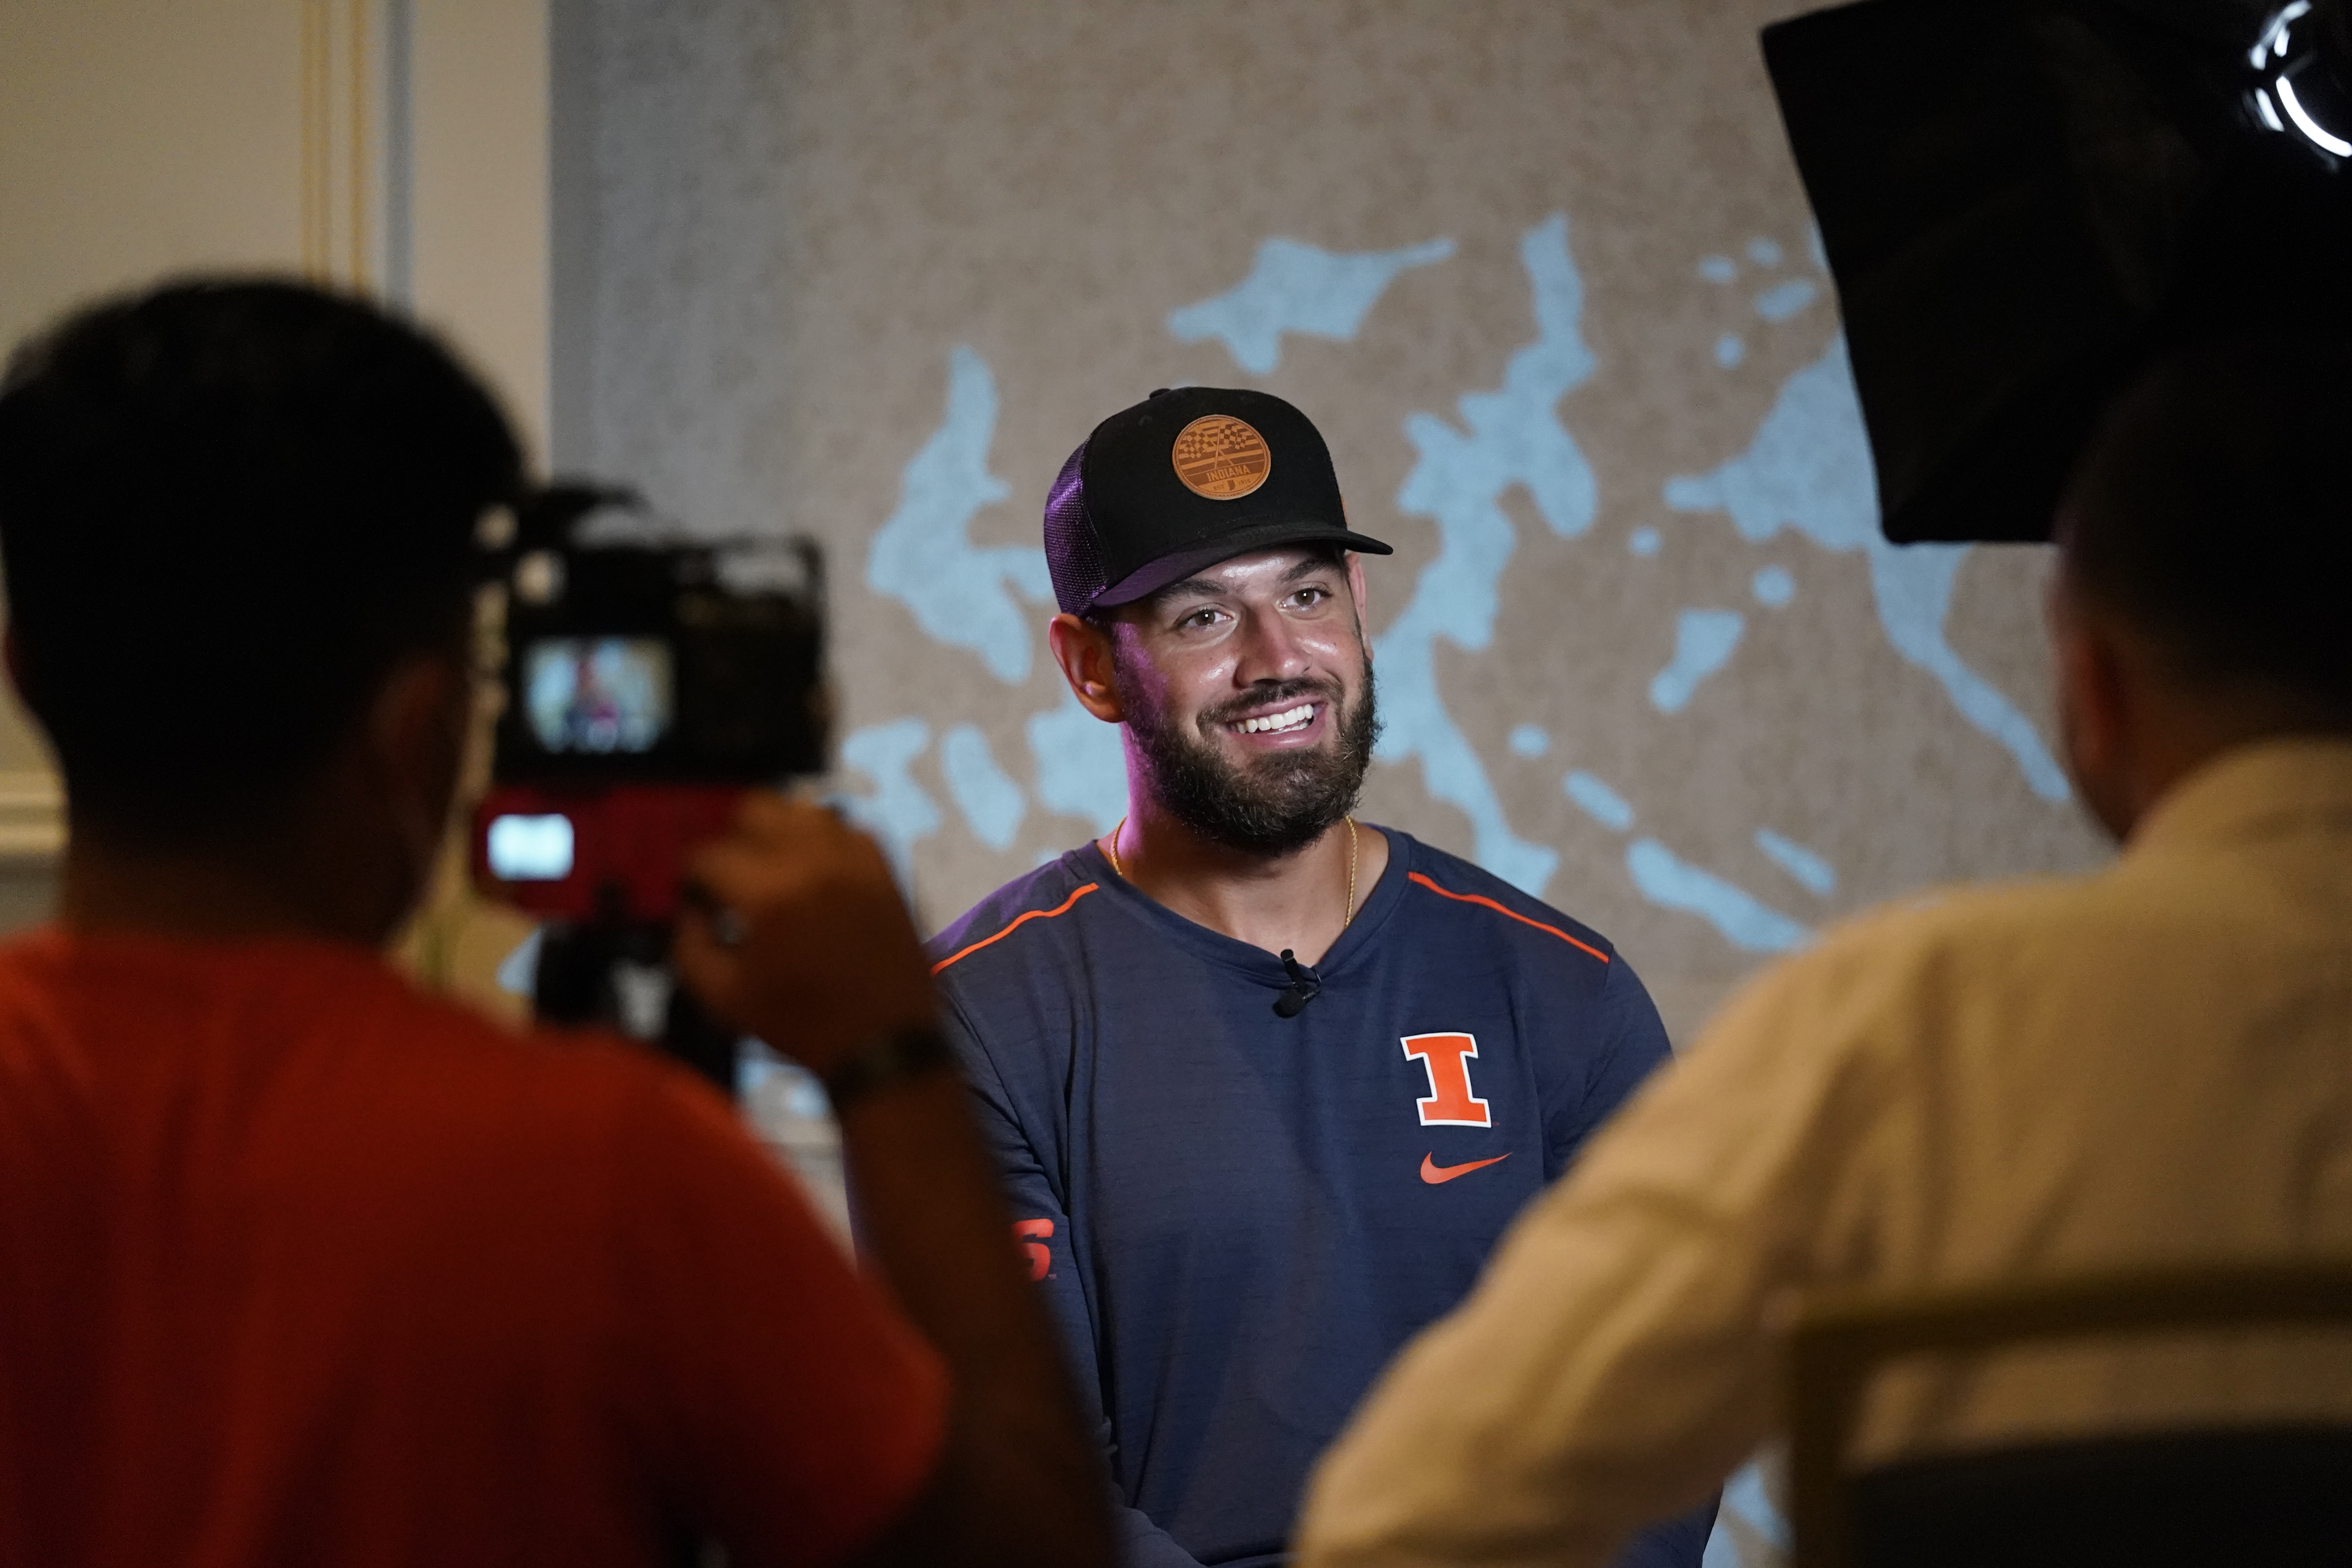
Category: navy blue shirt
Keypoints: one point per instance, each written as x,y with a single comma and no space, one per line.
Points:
1239,1217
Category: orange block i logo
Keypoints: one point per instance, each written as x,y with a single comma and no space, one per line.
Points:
1447,1060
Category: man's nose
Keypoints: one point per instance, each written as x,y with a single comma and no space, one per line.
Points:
1271,650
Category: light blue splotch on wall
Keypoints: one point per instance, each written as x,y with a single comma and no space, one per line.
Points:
1774,586
960,594
1746,921
899,811
1815,875
971,597
1808,469
1703,641
1597,801
1783,301
1298,287
1665,879
1081,764
1750,1530
1509,437
518,972
992,803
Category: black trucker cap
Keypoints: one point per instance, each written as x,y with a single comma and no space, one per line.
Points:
1189,476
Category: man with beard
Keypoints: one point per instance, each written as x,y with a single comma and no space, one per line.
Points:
1267,1083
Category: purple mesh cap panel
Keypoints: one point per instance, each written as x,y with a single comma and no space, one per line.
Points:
1073,554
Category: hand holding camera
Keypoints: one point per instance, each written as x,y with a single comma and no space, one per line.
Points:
801,937
651,678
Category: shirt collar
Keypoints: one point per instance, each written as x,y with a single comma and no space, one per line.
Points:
2254,791
1371,913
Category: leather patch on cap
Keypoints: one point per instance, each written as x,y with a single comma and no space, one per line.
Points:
1222,457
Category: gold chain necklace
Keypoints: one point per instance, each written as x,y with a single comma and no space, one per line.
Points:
1110,851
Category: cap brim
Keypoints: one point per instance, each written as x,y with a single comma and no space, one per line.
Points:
1153,575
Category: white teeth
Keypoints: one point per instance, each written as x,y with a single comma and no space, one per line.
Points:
1290,721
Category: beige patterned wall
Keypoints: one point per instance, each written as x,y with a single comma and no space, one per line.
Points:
801,247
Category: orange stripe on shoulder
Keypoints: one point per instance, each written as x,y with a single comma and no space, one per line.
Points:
1473,898
1061,909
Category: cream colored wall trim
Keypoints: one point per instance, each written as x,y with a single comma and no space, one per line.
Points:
32,816
355,86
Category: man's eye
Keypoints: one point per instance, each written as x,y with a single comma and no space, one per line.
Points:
1200,617
1307,598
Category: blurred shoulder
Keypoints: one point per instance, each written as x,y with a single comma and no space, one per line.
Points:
1934,955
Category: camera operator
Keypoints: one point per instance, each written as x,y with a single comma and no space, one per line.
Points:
298,1265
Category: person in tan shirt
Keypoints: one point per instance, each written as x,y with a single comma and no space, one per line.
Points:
2149,1065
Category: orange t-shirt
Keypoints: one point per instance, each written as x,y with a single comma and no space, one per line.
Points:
297,1266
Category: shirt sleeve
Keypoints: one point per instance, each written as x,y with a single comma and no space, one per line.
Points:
790,1411
1631,1046
1040,1225
1612,1366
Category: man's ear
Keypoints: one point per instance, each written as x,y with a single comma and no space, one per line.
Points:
2098,714
417,725
1084,652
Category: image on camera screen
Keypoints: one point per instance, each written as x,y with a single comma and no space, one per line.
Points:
598,694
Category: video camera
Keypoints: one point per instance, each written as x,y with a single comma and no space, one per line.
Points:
649,679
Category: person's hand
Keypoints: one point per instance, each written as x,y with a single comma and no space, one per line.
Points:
810,946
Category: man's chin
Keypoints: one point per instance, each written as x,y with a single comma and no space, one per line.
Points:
1262,762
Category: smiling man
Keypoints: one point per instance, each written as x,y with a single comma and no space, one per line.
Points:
1266,1082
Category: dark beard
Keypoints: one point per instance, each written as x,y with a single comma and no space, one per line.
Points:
1282,802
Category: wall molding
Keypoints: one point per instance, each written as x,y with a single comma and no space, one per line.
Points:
357,159
32,817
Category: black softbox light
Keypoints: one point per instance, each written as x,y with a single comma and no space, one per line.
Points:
2021,199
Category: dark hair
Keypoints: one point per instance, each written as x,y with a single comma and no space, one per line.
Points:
226,508
2213,512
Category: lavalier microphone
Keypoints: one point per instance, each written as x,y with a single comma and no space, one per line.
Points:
1304,987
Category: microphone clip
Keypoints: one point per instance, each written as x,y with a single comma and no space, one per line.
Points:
1304,987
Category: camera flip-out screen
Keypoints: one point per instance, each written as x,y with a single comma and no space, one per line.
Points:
598,695
536,847
573,854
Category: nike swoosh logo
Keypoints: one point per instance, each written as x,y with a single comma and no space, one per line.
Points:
1433,1173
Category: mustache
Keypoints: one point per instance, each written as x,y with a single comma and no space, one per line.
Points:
1270,691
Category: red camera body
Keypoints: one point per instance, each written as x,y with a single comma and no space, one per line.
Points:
595,854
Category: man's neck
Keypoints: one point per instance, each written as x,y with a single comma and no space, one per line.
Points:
2189,727
204,894
1300,900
